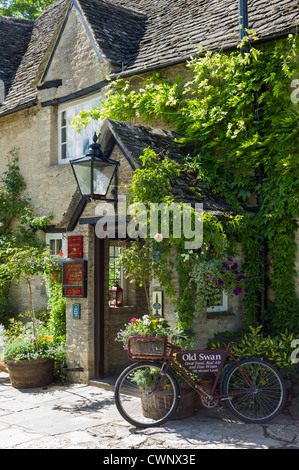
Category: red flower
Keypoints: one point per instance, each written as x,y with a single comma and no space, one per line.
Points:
133,320
60,253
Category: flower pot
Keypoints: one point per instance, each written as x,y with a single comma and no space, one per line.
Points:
161,400
31,373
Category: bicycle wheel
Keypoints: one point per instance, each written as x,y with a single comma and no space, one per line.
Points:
268,398
135,400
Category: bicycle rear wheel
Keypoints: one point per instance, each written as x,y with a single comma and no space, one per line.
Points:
135,400
268,398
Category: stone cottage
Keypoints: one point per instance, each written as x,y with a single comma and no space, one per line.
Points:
60,64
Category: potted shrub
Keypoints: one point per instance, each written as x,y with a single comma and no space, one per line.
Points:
30,360
29,355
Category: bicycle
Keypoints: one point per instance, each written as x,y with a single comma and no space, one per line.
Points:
148,393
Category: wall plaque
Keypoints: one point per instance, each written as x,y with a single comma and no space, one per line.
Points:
157,304
201,361
74,278
77,311
75,246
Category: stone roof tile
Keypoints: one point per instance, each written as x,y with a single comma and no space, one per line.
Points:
139,35
15,35
133,139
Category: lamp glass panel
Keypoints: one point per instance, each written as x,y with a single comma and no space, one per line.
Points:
102,176
82,171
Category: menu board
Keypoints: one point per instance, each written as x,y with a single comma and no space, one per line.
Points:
74,278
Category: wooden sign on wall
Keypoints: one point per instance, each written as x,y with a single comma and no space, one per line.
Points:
74,278
75,246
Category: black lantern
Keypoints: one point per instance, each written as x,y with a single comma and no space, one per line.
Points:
116,296
94,172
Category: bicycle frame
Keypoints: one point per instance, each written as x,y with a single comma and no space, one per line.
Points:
169,360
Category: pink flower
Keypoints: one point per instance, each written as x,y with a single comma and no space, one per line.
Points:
133,320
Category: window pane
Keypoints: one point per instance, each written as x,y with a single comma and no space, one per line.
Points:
63,151
58,246
63,118
52,247
63,134
114,266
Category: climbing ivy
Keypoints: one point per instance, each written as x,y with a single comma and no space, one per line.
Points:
229,147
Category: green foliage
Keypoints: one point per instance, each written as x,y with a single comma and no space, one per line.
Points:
57,309
276,349
154,180
147,378
6,308
145,326
215,114
29,9
139,263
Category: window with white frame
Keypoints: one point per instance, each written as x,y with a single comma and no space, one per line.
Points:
72,144
221,305
56,243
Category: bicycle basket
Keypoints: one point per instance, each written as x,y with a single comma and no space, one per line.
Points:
144,347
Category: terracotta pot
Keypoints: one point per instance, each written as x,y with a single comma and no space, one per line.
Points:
31,373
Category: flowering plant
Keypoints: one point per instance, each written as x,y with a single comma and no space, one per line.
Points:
210,275
53,263
145,326
26,346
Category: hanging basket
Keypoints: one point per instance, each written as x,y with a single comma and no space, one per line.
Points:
143,347
31,373
56,276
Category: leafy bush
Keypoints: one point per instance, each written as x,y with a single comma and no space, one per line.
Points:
253,342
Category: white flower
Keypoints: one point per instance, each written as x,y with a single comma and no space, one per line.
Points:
158,237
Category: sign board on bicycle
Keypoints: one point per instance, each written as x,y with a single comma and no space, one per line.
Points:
201,361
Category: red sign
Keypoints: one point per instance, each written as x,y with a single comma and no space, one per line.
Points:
75,246
201,361
73,291
73,274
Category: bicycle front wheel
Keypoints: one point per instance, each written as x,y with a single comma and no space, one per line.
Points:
268,397
138,403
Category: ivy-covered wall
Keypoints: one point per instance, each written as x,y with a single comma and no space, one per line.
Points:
238,115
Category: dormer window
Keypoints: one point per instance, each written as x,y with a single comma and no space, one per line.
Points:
71,143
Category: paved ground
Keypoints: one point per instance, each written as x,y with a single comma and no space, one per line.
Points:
75,416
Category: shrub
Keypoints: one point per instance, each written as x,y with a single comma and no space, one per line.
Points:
253,342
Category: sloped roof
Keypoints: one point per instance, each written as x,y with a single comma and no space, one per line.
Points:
118,31
14,40
21,93
133,139
176,28
137,35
